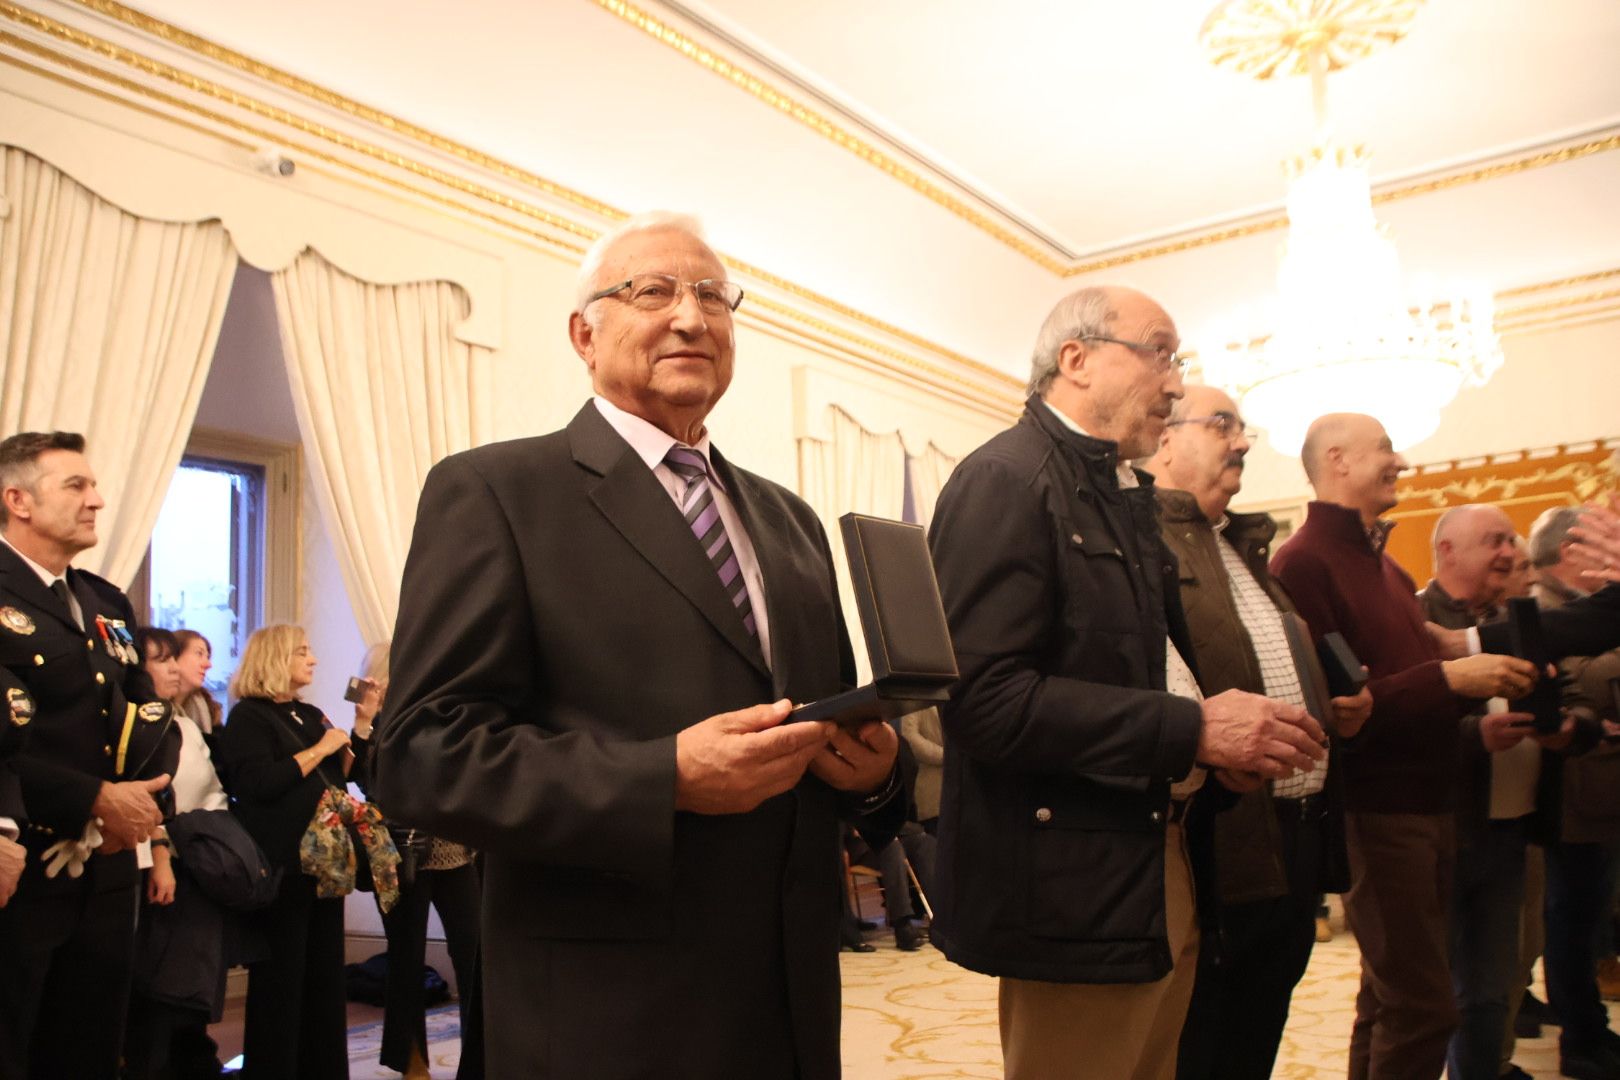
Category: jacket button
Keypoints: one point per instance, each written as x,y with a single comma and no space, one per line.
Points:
1074,538
103,712
1265,551
107,750
1043,815
90,643
1156,817
39,661
100,678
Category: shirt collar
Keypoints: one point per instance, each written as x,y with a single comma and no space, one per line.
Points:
650,442
44,575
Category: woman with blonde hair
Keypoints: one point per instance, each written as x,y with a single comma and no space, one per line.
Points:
432,872
279,757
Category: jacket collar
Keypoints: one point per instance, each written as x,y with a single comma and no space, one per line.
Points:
1099,457
1445,601
1344,523
1242,531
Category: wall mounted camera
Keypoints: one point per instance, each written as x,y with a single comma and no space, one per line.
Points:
273,162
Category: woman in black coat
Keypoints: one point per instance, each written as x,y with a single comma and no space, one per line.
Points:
278,756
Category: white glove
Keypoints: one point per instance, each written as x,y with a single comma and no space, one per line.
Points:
72,854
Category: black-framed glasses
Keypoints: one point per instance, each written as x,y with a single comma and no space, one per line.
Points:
1225,424
1167,359
660,292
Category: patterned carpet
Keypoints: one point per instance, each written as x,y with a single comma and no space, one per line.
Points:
916,1016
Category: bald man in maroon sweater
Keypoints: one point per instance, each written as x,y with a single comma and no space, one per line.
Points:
1401,771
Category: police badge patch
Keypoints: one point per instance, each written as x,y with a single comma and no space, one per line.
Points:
21,706
152,711
16,621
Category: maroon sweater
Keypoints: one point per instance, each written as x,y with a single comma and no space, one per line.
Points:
1405,759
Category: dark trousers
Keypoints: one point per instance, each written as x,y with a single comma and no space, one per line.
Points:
1399,908
1247,976
1580,893
454,893
1486,902
65,965
297,1018
168,1042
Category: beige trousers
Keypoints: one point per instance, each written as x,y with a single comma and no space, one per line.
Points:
1126,1031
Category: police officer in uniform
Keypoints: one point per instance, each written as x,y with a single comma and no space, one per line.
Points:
100,749
15,713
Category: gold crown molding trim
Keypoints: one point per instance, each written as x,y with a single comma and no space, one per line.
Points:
1561,283
168,72
219,54
776,99
1563,322
1500,169
1559,304
972,396
844,139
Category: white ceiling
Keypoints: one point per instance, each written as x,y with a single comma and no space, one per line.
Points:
1083,126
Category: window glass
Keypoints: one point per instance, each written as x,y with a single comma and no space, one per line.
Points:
207,561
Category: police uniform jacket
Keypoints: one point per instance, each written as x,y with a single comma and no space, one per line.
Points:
95,716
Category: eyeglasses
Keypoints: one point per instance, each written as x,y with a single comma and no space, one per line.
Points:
1162,355
660,292
1225,424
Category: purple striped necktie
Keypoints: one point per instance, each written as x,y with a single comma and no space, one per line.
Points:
703,518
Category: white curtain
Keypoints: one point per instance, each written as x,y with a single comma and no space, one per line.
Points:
929,471
860,471
108,324
383,390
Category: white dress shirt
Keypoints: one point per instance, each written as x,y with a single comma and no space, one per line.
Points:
651,444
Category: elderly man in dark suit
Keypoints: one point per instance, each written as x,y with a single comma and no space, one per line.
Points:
601,635
99,749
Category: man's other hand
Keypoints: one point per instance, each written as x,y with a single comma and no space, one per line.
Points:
1596,546
1350,713
858,762
730,763
128,812
1489,675
12,857
1249,733
1503,730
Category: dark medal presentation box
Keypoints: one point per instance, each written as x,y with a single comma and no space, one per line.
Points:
902,620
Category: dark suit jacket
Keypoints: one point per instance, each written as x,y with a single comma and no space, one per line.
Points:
558,626
88,725
1584,627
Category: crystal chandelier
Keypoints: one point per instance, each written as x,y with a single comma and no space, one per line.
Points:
1347,335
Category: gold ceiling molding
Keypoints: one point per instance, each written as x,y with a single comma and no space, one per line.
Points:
225,95
184,39
841,137
1511,167
1561,283
1586,478
770,95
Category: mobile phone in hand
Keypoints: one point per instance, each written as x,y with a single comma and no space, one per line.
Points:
357,689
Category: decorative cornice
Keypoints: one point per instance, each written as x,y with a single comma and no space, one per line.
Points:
818,122
478,193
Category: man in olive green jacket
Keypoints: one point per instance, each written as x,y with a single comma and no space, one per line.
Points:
1282,844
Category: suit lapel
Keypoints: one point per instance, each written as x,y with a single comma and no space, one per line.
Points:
634,502
763,520
21,579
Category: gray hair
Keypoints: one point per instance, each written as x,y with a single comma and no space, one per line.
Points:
585,282
1079,315
1549,532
